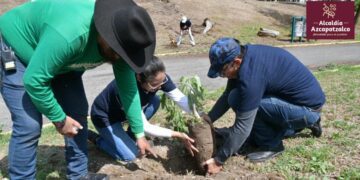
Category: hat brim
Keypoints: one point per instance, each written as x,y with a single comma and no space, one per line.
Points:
103,17
213,73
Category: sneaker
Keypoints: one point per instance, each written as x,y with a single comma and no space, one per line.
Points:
93,136
316,129
95,176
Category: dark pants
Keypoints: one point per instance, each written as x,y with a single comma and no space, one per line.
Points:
276,119
27,122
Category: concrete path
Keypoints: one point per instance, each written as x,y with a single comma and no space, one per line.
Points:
95,80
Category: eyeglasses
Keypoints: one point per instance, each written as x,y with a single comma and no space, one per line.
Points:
224,69
154,88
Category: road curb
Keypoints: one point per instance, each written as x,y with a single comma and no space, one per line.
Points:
318,44
281,46
175,53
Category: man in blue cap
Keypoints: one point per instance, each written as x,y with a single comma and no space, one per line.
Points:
272,94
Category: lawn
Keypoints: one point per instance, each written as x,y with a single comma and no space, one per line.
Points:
336,155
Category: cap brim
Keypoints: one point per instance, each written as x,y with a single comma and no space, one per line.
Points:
212,73
103,14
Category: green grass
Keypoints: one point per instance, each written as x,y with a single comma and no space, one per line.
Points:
337,152
333,156
246,33
4,139
293,161
350,173
50,159
357,37
357,31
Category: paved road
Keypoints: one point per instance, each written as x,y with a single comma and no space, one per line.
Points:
95,80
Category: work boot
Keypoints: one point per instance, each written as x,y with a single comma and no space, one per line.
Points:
316,129
95,176
264,154
93,136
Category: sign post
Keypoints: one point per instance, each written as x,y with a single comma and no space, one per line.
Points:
298,27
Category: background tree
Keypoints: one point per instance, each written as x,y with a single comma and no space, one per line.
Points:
357,10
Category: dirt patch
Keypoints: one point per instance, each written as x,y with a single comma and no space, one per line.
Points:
173,163
240,19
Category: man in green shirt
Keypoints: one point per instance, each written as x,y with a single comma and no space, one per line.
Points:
54,42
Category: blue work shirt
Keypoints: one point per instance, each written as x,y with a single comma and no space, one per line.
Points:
272,71
264,71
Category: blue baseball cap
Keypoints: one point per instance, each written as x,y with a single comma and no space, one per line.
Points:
223,51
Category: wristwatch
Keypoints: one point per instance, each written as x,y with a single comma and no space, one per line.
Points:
60,124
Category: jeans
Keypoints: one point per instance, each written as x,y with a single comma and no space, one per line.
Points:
114,140
277,119
27,122
151,108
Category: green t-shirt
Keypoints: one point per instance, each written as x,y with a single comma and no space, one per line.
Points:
57,36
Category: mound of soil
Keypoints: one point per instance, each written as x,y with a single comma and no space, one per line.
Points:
203,135
174,162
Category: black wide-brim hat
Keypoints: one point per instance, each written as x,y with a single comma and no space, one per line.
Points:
128,29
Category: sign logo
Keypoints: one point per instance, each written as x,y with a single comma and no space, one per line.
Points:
330,20
329,10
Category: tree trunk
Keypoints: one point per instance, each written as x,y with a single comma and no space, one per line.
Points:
357,14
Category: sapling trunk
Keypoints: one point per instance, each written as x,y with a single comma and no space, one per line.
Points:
196,114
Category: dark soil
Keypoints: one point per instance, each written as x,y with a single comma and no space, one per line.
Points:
202,133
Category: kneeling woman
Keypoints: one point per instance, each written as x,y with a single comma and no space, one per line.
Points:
107,113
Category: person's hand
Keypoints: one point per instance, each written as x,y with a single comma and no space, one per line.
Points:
144,147
188,142
69,127
212,166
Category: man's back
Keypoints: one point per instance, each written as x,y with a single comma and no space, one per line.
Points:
270,71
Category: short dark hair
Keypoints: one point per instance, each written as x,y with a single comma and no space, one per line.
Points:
243,51
155,66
